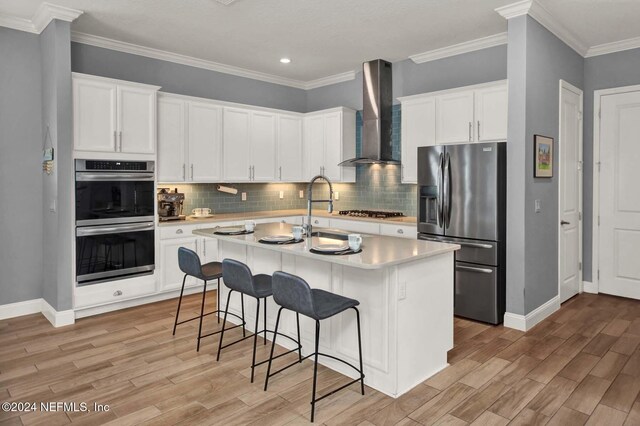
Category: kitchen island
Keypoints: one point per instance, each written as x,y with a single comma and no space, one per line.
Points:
405,289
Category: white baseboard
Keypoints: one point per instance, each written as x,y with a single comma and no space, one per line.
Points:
527,322
56,318
18,309
589,287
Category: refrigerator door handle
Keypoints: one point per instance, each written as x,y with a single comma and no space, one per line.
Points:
474,269
447,191
440,199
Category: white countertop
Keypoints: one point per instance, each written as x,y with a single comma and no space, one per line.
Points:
229,217
377,251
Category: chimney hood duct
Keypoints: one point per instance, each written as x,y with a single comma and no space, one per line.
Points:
376,116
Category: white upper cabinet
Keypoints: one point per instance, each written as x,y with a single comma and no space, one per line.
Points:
454,117
113,116
330,138
189,140
205,142
171,139
237,139
94,115
263,147
418,129
491,113
290,164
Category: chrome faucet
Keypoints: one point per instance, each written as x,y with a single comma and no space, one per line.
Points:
307,226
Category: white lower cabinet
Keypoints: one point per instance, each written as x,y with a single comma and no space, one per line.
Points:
171,274
356,226
402,231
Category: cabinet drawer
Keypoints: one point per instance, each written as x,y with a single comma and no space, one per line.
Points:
402,231
110,292
178,231
319,221
356,226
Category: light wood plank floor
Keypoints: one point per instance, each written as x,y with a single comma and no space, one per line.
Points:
580,366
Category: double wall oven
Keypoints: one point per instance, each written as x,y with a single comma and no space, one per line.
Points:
115,228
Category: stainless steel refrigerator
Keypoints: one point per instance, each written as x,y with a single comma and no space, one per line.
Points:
462,199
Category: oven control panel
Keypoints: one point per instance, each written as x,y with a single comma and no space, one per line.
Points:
112,165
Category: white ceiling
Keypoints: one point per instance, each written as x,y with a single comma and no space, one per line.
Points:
322,37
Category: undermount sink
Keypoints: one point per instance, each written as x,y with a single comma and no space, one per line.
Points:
334,235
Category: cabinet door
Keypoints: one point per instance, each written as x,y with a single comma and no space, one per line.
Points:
205,142
290,159
171,274
263,146
171,140
94,115
236,157
418,129
491,113
136,120
454,118
314,145
333,146
208,250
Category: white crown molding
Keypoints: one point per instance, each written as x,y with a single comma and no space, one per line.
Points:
546,19
46,13
177,58
616,46
460,48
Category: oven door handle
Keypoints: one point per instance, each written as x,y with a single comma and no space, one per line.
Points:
104,230
83,176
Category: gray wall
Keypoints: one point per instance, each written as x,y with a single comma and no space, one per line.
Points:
410,78
55,44
184,79
600,72
547,60
20,167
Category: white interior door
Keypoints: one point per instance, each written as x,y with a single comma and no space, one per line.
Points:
570,177
619,234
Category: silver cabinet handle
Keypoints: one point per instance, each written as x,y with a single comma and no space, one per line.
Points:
115,141
280,175
179,231
120,149
402,172
192,171
564,222
316,221
478,129
184,172
253,172
117,293
400,231
249,172
474,269
470,130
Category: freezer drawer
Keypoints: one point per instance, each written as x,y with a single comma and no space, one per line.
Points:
476,292
472,251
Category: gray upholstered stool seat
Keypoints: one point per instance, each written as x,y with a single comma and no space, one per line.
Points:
327,304
294,293
190,264
238,277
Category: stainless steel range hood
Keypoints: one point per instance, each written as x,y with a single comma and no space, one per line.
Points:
376,115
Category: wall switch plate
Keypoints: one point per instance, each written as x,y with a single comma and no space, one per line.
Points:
244,196
402,290
301,194
336,195
52,206
538,206
281,195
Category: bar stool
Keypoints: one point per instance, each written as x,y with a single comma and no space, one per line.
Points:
238,277
293,293
189,263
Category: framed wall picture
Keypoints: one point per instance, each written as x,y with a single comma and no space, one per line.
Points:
542,156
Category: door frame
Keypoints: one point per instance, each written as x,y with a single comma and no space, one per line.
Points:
594,286
565,85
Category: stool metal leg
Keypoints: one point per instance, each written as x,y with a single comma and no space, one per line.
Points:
273,346
224,323
299,340
255,336
315,371
244,330
204,295
175,324
265,322
218,302
360,350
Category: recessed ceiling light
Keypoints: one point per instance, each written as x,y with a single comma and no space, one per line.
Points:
285,60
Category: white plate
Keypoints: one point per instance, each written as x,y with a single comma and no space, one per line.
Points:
203,216
277,238
331,247
233,230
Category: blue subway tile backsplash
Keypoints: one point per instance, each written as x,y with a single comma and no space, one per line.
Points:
377,187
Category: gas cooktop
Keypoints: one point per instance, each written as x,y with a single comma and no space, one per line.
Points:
371,213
